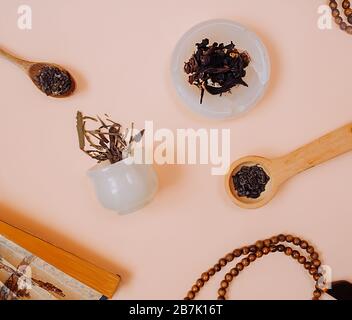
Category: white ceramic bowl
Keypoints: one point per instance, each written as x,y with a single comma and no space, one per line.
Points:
124,186
242,98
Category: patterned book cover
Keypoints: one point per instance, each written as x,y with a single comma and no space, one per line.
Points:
24,276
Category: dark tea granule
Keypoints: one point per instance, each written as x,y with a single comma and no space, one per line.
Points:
250,182
54,81
217,68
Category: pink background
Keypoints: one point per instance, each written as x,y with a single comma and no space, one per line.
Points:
162,249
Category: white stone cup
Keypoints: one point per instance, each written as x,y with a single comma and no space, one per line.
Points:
124,186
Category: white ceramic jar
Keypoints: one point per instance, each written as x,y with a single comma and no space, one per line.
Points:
124,186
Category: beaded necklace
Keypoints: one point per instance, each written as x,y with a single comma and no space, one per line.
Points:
259,250
346,6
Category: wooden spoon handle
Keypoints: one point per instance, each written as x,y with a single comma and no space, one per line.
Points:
325,148
19,62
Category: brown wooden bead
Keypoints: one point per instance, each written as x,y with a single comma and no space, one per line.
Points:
281,248
229,277
343,26
333,4
253,249
338,20
348,12
295,254
302,260
245,250
335,13
297,241
266,250
222,292
314,256
316,263
259,244
217,268
349,30
191,295
317,276
239,266
282,238
234,272
259,254
304,244
288,251
230,257
349,19
195,289
346,4
245,262
211,272
267,242
273,249
205,276
317,285
274,240
317,294
237,253
307,265
313,270
289,238
310,250
224,284
200,283
252,257
222,262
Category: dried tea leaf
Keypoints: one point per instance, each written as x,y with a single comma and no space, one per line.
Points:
109,142
132,128
80,130
138,137
89,118
102,122
216,68
103,138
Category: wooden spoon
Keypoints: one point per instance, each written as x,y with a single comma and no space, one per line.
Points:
283,168
35,69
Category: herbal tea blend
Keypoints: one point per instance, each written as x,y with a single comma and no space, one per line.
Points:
217,68
109,141
54,81
250,182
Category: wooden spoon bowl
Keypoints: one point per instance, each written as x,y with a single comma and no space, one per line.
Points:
271,188
34,69
283,168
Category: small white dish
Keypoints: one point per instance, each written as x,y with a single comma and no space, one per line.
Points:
229,105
